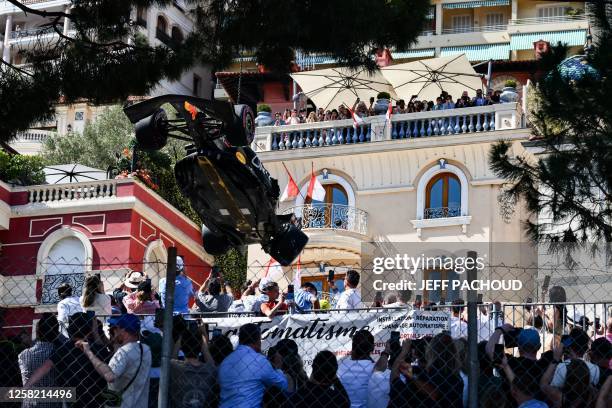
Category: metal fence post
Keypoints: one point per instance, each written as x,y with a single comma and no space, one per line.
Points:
167,346
474,365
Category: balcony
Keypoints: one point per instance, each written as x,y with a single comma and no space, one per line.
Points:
462,122
441,212
331,216
58,193
474,29
31,32
33,136
546,24
164,38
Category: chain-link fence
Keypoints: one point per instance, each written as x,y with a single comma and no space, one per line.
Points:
309,335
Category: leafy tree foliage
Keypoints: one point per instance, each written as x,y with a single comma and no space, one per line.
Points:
569,186
21,170
233,266
107,59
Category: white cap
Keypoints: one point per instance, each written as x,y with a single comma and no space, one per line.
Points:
180,264
264,283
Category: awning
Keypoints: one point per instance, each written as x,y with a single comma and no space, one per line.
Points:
426,52
478,3
480,52
525,41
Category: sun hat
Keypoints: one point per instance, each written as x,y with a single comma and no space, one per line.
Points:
133,279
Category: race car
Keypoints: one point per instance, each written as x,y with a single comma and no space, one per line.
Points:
221,175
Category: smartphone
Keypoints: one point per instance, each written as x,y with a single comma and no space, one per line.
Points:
330,275
290,289
371,99
511,338
214,273
498,354
480,298
442,301
216,333
528,307
395,337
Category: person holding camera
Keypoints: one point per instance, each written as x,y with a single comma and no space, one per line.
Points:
212,296
143,300
273,301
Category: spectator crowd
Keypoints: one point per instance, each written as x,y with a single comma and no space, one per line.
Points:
117,362
442,102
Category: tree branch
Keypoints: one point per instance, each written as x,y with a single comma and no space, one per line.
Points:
42,13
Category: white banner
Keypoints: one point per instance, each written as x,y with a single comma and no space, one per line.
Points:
334,331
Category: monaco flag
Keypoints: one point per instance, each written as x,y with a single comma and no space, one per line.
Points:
316,192
389,112
291,190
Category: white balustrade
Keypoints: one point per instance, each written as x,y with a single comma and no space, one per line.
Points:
72,191
376,128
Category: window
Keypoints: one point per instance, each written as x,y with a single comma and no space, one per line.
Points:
162,25
78,115
462,24
443,197
333,212
141,16
177,35
495,19
448,294
196,84
155,261
552,11
322,285
65,262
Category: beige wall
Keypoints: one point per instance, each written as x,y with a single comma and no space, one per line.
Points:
529,8
385,186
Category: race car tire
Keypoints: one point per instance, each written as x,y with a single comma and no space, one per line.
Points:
287,244
152,132
243,129
214,244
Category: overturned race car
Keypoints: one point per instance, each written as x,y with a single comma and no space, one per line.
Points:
221,175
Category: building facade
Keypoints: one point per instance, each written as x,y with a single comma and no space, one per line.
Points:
58,233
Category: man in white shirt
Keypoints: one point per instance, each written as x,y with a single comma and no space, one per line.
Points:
403,296
458,328
577,344
354,373
350,298
67,306
127,373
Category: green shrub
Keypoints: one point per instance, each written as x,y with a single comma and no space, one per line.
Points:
383,95
21,170
263,107
510,83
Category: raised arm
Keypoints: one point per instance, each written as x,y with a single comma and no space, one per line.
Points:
101,367
552,393
39,373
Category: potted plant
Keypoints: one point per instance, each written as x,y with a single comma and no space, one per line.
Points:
264,115
382,103
509,93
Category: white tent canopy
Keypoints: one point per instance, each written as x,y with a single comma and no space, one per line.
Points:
428,78
332,87
72,173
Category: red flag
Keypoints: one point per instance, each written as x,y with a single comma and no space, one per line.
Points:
316,192
291,190
389,112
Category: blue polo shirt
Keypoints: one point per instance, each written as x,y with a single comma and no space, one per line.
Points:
183,291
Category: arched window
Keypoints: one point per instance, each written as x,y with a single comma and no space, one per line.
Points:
162,24
155,259
177,35
332,212
63,257
141,16
443,196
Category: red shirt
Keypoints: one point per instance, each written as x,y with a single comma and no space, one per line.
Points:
282,308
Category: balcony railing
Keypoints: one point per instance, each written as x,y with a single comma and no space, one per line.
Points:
31,32
72,191
32,136
442,212
331,216
165,38
548,20
473,29
451,122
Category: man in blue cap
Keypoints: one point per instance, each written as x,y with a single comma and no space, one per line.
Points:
183,290
127,373
528,342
